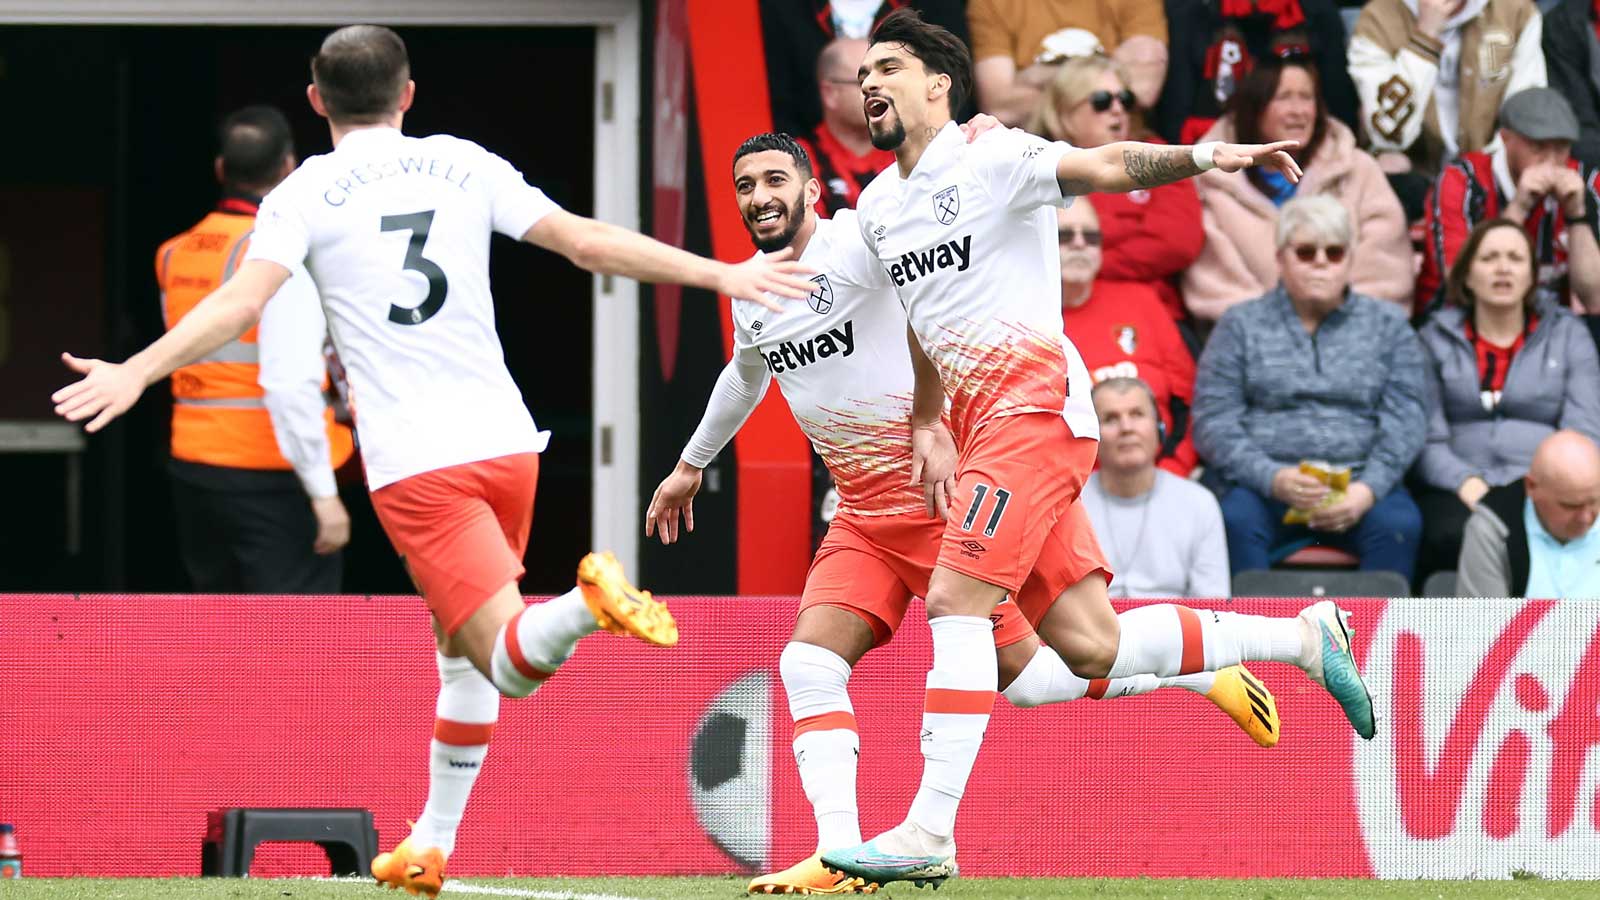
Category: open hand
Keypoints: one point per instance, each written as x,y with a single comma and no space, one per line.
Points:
768,273
106,391
1233,157
674,496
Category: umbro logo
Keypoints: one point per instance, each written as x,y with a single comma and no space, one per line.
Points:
972,549
879,233
755,326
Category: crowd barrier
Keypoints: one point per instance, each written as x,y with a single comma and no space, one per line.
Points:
127,718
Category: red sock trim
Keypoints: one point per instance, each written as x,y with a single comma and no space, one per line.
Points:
1098,688
947,700
1194,648
514,653
828,721
462,734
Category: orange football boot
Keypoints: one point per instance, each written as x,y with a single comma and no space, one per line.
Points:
419,870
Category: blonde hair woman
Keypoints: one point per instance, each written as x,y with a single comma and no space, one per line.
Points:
1149,236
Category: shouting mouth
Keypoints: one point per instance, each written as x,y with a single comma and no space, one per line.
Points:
876,108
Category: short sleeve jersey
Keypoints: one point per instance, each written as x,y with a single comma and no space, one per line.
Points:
843,365
395,231
969,242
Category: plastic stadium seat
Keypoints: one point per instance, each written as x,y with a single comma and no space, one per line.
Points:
346,835
1319,583
1440,584
1317,556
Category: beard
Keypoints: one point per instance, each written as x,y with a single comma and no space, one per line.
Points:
795,213
890,138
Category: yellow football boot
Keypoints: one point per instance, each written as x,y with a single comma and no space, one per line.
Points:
620,607
809,877
420,870
1248,703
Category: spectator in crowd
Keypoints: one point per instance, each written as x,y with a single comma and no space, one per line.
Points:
1279,100
1530,177
254,442
1162,534
1313,370
1214,44
840,147
1535,537
1017,44
1432,73
795,31
1122,330
1571,56
1149,235
1507,366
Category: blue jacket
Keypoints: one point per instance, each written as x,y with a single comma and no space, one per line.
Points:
1269,394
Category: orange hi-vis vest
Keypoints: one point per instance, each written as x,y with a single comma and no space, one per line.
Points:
218,415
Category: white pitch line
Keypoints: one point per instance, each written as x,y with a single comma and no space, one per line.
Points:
456,886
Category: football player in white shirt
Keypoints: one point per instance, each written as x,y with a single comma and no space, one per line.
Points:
968,237
395,231
848,381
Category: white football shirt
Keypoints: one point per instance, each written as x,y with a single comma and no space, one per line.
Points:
969,242
843,365
395,231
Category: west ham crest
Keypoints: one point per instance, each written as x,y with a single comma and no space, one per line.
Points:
947,205
821,299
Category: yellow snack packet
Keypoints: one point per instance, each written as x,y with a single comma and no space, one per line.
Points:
1337,478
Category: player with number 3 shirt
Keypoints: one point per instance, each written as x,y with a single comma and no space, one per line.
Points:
395,231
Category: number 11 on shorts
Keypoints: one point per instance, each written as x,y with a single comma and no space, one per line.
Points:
980,493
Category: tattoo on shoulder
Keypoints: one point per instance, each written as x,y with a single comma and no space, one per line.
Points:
1153,166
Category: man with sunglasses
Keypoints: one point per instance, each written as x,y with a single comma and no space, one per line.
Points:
1312,370
1123,331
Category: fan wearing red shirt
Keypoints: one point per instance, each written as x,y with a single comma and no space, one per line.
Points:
840,147
1123,330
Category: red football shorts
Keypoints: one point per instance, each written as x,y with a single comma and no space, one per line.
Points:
462,530
873,565
1015,513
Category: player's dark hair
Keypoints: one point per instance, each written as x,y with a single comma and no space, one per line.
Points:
361,71
780,142
941,52
253,143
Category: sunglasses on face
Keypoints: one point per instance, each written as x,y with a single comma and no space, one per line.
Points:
1100,101
1071,233
1308,252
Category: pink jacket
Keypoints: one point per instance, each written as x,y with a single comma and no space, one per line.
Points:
1239,261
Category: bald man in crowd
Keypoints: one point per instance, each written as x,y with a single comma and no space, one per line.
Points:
1537,537
841,150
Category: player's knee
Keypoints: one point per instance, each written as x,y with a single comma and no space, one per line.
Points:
1090,654
944,600
810,671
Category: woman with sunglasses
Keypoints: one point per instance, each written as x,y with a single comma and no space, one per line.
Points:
1507,365
1280,100
1148,236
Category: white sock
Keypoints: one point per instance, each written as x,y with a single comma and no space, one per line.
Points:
1047,679
467,710
955,713
826,744
537,641
1169,640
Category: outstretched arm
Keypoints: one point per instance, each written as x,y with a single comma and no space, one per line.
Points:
1129,165
738,392
611,250
107,390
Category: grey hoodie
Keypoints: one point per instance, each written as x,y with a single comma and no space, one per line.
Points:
1553,383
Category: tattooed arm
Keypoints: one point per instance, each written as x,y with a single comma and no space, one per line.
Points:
1128,165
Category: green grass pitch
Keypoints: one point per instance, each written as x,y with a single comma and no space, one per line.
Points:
729,888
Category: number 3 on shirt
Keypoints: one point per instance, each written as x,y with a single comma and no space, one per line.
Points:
418,224
980,492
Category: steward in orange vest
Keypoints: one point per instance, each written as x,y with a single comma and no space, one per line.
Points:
254,441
